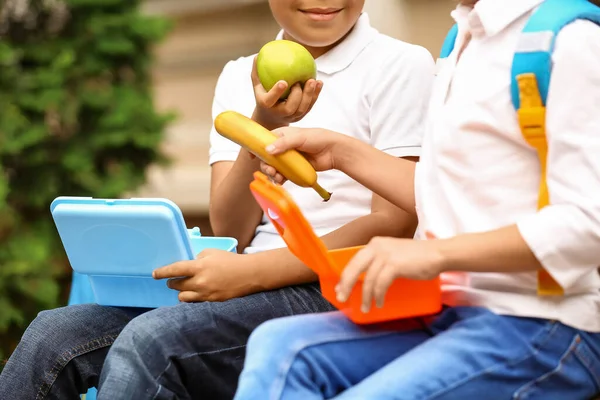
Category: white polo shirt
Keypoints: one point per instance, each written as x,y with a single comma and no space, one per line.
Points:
478,174
375,88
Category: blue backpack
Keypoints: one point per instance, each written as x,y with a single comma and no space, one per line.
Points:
530,79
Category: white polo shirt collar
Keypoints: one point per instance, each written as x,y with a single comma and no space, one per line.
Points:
340,57
490,17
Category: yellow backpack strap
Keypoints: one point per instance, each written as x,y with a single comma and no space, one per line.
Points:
530,81
532,120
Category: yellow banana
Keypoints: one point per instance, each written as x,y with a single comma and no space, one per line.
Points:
254,138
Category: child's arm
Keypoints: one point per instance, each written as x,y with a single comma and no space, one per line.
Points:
278,268
385,259
399,98
564,237
219,275
398,94
222,275
233,211
390,177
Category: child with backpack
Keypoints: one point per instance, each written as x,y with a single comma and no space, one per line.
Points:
507,196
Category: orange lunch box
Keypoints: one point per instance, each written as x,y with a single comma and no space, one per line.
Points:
405,298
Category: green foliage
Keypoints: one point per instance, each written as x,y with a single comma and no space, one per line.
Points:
76,118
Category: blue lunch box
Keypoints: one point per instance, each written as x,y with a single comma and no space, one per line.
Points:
117,243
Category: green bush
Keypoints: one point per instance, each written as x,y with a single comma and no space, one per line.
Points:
76,118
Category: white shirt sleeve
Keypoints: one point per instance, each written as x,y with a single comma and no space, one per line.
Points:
228,84
398,101
565,236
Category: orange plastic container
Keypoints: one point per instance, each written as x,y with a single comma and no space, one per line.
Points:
404,299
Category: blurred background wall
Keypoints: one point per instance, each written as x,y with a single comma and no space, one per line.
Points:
207,34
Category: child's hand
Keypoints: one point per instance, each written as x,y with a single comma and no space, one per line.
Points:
272,113
386,259
272,173
215,275
317,145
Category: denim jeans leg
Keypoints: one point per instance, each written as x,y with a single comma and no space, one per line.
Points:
195,350
465,353
314,357
476,354
62,351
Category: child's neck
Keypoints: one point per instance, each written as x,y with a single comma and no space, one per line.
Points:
316,52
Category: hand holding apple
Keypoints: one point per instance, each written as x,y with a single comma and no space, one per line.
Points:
283,75
284,60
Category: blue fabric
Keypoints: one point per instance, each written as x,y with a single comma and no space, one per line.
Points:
81,293
449,42
464,353
552,16
91,394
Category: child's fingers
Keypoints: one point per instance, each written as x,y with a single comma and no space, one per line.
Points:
278,132
382,285
175,270
319,88
179,284
277,177
254,75
270,99
266,99
285,142
259,90
272,173
268,170
280,179
369,283
315,96
359,263
291,104
307,98
190,297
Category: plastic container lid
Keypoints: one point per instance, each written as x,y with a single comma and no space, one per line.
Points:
404,299
129,237
292,226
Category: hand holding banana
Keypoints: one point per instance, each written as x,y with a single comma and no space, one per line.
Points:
255,138
283,76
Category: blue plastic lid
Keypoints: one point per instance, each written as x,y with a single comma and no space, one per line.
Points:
126,237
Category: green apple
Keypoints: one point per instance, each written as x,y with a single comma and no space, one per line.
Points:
284,60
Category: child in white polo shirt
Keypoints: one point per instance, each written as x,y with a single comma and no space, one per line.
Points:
513,230
371,88
369,85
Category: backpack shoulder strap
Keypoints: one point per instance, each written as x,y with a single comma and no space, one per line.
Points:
530,80
536,44
449,42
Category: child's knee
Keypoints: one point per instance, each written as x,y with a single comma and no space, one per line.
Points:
271,341
269,334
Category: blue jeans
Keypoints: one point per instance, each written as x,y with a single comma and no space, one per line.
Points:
187,351
464,353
